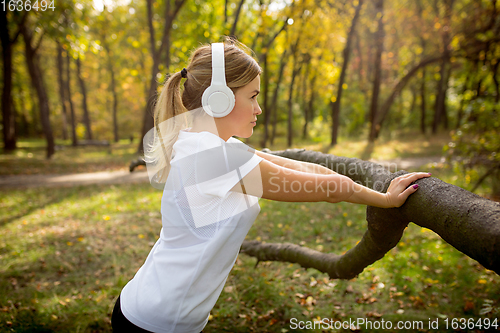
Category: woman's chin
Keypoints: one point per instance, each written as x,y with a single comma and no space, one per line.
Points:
245,135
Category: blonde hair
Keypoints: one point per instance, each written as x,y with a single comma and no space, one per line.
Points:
240,69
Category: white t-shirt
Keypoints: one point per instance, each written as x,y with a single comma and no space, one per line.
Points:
203,227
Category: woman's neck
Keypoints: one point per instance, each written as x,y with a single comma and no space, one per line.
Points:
208,124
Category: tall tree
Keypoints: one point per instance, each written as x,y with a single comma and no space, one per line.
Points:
442,86
265,79
112,88
379,39
274,102
335,106
8,116
37,80
86,115
74,139
295,70
62,89
156,53
236,18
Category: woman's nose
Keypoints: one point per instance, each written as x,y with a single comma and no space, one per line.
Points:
258,110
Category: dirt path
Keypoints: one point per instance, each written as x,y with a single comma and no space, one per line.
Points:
103,177
140,176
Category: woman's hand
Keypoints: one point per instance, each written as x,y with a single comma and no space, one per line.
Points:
398,190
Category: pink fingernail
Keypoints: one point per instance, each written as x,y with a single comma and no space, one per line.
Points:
430,173
415,186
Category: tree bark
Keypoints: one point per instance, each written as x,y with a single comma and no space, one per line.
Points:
236,18
375,127
74,139
265,91
86,114
295,70
384,110
346,55
440,104
423,105
274,102
113,90
156,53
466,221
36,75
268,111
62,94
309,108
8,118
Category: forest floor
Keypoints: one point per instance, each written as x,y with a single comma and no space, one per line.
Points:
67,251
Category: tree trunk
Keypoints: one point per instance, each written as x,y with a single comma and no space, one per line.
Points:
266,111
335,105
497,83
310,105
460,112
226,2
266,45
62,94
86,115
236,18
169,15
384,110
274,102
295,70
375,127
36,76
466,221
74,139
440,97
440,104
113,91
423,105
8,118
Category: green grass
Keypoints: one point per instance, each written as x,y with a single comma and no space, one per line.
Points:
66,253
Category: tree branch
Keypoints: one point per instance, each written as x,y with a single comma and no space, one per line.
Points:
466,221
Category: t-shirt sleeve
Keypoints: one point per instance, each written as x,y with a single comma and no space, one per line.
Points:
229,163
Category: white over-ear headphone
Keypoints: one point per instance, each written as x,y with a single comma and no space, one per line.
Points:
218,100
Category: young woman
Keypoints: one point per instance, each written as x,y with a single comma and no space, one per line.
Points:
211,183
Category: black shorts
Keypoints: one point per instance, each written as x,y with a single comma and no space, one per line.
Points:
121,324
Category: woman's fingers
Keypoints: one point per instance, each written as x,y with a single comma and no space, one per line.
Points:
406,193
400,186
411,177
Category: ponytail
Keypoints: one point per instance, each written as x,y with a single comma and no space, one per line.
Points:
169,119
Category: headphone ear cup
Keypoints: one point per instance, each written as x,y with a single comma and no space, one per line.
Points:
218,101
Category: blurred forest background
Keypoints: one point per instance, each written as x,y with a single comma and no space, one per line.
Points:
90,70
380,79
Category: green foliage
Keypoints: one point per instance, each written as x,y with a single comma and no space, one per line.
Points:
119,34
477,143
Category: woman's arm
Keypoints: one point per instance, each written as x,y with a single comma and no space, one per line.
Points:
295,165
275,182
